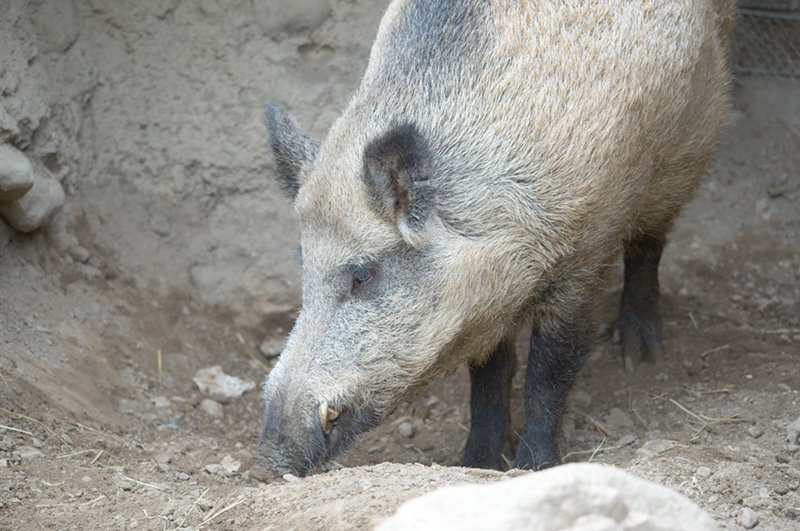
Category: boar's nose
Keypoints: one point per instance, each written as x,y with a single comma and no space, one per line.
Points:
326,416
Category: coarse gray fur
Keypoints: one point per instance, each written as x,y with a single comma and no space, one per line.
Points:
538,137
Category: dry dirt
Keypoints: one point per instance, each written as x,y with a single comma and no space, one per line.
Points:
93,435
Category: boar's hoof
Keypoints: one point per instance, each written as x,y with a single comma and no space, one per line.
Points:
641,339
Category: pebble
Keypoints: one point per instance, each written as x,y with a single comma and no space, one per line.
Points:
205,504
183,476
406,429
272,348
28,452
160,401
755,431
617,420
16,173
703,472
162,457
35,208
654,447
290,478
36,442
582,399
212,407
125,485
747,518
793,432
3,463
626,440
375,450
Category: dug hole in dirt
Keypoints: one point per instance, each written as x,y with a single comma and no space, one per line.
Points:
173,252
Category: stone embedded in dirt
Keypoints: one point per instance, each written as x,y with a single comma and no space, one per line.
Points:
16,173
28,452
703,472
654,447
228,466
3,463
617,420
277,18
747,518
212,407
35,208
272,347
160,401
125,485
755,431
793,432
406,429
162,457
626,440
213,381
569,497
582,399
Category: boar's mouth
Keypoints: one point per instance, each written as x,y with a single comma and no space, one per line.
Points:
333,429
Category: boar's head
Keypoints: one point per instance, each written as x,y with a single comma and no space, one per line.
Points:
389,290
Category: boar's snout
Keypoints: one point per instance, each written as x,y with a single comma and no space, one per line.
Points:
295,440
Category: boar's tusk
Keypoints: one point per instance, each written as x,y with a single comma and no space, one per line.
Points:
326,415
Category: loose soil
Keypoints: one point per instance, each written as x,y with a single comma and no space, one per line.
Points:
95,434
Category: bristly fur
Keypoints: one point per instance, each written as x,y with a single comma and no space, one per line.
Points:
545,134
293,150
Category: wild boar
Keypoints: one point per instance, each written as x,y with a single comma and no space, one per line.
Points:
494,162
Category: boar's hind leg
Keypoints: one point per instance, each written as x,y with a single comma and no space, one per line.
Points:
552,364
490,394
640,320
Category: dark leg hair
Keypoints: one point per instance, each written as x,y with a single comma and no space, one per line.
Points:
640,320
490,394
553,361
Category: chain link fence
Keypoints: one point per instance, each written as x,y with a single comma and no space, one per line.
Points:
766,39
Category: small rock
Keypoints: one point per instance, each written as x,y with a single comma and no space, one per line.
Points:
703,472
272,347
160,401
213,381
626,440
762,205
406,429
582,399
216,469
290,477
747,518
276,19
793,432
183,476
755,431
230,464
28,452
617,420
205,504
16,173
162,457
36,442
654,447
35,208
3,463
125,485
375,450
212,407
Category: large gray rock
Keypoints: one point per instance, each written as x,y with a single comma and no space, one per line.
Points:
36,207
581,496
16,173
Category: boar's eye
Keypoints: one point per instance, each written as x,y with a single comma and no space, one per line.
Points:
362,275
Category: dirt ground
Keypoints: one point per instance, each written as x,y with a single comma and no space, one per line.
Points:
95,434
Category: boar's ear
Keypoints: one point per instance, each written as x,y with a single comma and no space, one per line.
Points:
396,171
293,150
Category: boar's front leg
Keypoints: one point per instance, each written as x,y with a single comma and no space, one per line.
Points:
553,361
490,395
